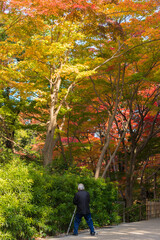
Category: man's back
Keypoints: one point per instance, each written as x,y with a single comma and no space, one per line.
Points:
82,199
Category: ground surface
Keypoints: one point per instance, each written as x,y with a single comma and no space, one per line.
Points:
144,230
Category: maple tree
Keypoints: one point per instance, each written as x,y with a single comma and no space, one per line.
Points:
123,48
142,128
142,65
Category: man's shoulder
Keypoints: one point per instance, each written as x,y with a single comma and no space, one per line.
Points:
83,192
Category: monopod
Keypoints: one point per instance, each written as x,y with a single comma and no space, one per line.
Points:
71,220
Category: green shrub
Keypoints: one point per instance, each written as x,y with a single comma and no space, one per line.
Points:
35,202
6,154
15,202
136,212
54,197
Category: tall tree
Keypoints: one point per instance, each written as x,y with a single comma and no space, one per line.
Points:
48,51
94,41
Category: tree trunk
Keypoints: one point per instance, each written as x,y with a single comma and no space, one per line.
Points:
50,142
98,167
130,170
105,147
128,195
48,147
62,150
129,191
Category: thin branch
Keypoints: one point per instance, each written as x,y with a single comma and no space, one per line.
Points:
152,134
130,49
24,150
152,174
97,94
114,56
64,99
12,24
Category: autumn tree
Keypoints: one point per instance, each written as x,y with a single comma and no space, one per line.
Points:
127,51
43,49
48,51
60,44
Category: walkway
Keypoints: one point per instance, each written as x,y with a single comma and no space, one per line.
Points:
144,230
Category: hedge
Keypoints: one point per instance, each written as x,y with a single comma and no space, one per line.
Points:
35,202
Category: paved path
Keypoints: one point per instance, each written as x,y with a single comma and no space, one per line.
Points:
144,230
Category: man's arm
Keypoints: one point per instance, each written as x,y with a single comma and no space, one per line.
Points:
75,200
88,197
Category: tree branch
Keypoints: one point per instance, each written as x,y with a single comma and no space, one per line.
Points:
130,49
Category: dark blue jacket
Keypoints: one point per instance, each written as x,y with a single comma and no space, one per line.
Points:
82,199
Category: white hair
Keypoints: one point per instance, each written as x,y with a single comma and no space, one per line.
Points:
81,186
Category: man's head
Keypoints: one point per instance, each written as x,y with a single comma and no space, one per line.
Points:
80,187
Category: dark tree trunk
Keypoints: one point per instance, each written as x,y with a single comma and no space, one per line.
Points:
48,147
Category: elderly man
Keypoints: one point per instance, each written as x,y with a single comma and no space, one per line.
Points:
82,199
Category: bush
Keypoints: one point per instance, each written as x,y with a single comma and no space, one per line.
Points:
15,202
53,199
136,212
35,202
